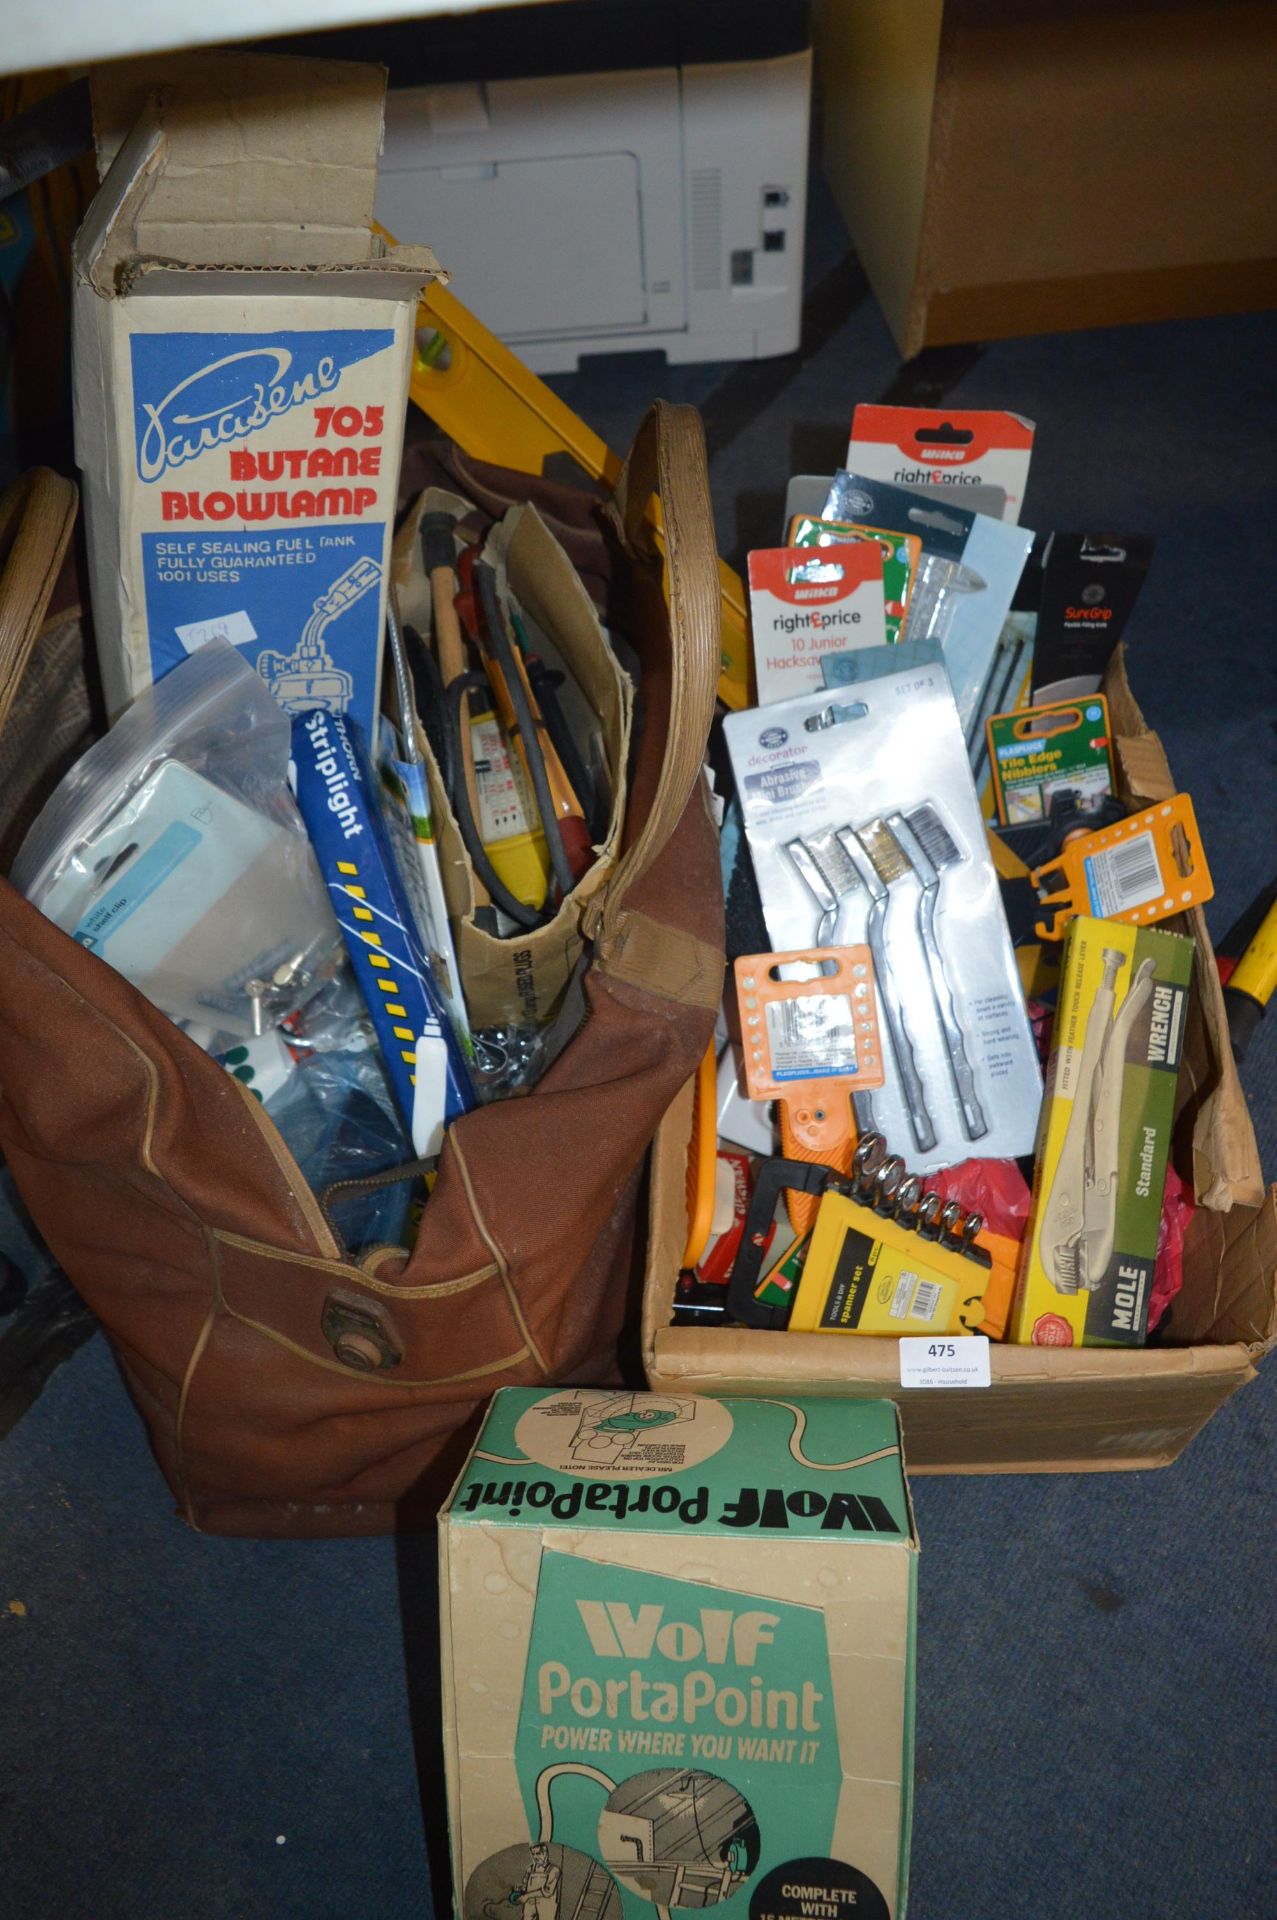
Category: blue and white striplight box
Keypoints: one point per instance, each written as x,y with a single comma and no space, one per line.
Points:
242,349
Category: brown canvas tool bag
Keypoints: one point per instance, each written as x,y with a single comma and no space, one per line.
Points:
289,1386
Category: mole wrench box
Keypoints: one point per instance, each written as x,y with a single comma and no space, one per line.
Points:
242,343
678,1659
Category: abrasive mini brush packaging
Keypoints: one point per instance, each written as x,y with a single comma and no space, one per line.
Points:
678,1658
865,829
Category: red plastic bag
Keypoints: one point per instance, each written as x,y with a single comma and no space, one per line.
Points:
994,1188
1168,1270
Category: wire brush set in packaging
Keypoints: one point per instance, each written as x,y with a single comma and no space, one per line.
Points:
864,829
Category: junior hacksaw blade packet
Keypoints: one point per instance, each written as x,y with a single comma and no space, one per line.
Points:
865,828
678,1644
806,602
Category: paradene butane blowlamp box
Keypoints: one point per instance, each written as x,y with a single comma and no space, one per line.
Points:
241,341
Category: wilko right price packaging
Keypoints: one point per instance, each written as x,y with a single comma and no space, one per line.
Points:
933,447
806,602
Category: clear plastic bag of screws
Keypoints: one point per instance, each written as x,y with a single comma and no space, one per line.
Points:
865,828
174,850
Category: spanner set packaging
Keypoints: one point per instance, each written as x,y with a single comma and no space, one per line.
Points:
865,828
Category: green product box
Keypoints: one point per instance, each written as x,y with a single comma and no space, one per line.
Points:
678,1659
1104,1138
1038,752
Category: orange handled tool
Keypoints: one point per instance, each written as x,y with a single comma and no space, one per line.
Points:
702,1159
816,1124
809,1042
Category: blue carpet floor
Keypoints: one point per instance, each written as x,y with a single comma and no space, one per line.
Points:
196,1729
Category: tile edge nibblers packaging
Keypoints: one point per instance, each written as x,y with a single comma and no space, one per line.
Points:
1038,752
865,829
678,1658
1105,1138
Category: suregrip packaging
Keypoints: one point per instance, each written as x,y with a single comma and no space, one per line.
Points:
1090,582
678,1644
1105,1136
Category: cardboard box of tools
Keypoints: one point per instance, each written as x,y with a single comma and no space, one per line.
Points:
242,342
1047,1409
678,1641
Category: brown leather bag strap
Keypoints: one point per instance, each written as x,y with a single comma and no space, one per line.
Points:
43,505
668,459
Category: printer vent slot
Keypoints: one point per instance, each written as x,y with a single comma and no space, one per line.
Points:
707,229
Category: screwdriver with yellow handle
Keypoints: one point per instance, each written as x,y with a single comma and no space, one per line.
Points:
1250,985
562,818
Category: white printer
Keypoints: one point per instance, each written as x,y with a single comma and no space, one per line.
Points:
585,203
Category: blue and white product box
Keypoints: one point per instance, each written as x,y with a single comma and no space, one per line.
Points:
965,582
337,794
241,367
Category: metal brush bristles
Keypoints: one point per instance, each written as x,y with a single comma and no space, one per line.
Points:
938,843
831,857
890,862
810,873
914,851
829,876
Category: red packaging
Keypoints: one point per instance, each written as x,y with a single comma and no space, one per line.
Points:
933,446
720,1256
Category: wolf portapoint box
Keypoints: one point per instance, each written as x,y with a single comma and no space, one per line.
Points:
242,343
678,1646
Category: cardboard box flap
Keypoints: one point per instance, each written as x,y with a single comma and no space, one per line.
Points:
239,160
564,1459
1230,1266
107,235
390,278
1226,1169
